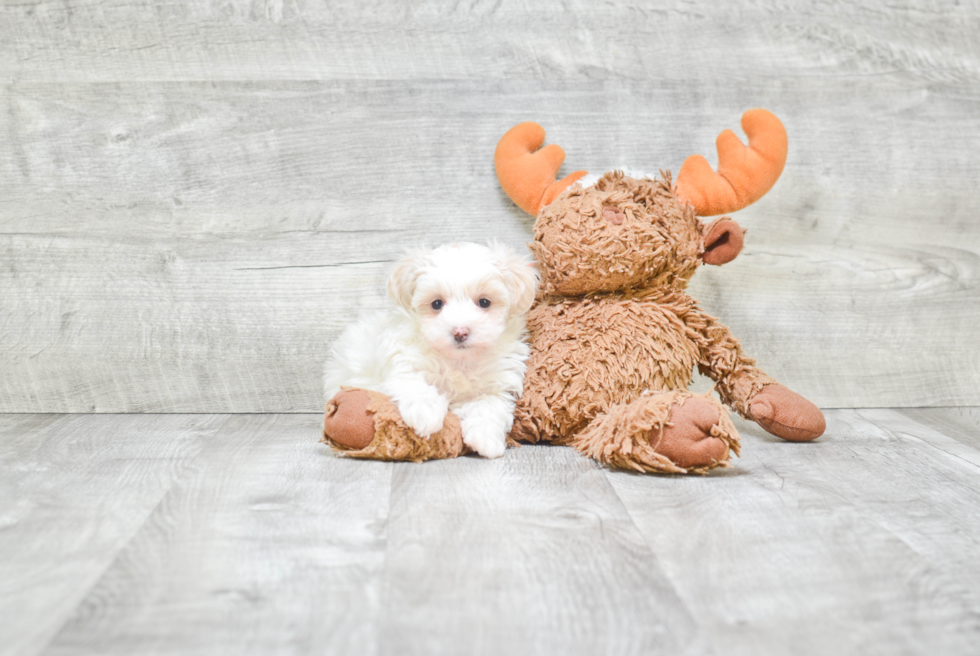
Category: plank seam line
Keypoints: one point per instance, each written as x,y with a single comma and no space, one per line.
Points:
125,544
312,266
604,471
916,438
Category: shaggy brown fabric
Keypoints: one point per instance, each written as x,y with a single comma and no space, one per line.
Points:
615,337
656,245
590,353
723,360
673,432
394,440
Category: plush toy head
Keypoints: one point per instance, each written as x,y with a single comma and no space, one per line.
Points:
627,233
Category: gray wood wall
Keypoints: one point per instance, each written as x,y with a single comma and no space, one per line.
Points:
195,197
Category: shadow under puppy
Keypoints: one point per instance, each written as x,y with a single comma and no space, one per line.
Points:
446,363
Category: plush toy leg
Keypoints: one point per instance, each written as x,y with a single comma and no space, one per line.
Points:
364,424
674,432
786,414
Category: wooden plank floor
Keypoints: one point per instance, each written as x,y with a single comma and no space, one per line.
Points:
237,534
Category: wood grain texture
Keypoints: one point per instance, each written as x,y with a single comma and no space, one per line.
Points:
938,433
73,492
124,534
195,198
861,542
432,39
532,553
961,424
267,545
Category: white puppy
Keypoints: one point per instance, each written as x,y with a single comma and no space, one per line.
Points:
455,342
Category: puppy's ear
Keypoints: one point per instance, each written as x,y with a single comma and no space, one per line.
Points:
520,277
405,275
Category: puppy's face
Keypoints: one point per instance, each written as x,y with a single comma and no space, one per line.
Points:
464,296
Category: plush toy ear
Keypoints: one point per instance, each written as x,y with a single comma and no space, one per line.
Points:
723,242
405,275
520,277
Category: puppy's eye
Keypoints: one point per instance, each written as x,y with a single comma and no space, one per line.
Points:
437,304
484,303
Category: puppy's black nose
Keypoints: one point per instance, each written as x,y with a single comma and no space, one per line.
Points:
460,334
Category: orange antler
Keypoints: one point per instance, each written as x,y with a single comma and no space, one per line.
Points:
745,173
527,176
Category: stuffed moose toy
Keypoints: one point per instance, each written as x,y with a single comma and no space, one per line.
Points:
614,336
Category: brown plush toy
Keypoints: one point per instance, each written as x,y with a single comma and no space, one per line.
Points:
614,336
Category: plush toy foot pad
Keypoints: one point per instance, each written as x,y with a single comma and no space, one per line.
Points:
786,414
347,420
672,432
687,439
364,424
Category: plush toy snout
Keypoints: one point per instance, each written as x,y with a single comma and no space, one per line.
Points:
723,242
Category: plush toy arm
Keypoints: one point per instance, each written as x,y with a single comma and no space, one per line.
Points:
721,358
749,391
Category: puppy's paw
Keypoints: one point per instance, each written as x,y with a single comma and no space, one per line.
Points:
486,441
423,415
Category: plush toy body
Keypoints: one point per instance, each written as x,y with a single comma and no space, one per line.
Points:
614,335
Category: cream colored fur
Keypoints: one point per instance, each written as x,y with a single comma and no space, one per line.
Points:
414,354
